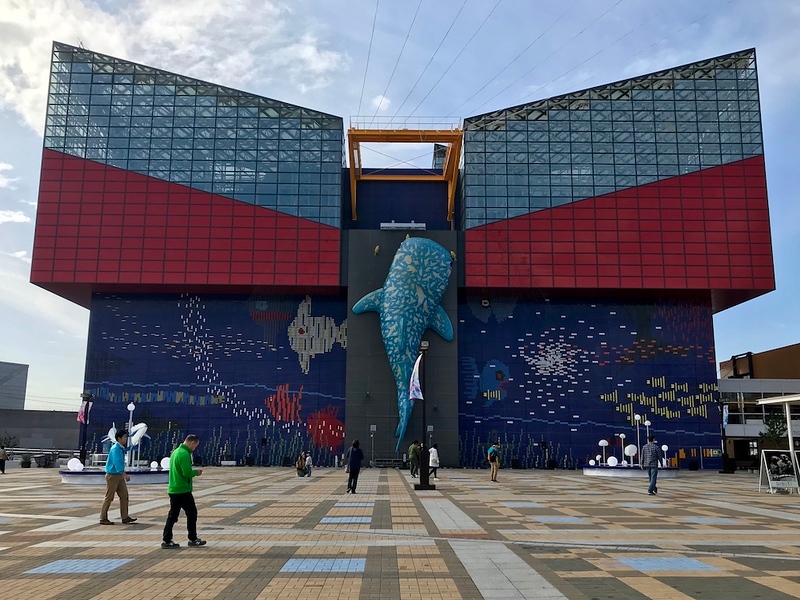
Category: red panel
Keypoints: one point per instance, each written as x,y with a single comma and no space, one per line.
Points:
688,226
96,207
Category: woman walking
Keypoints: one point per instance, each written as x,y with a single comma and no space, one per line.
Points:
352,462
434,461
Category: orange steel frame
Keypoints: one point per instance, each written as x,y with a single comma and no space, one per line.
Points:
452,138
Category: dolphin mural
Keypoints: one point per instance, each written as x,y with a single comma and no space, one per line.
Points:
408,304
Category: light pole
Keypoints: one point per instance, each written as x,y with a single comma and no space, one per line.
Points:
83,417
622,444
430,436
603,444
372,430
638,418
424,455
131,407
647,427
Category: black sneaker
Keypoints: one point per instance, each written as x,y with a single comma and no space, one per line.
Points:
197,542
170,544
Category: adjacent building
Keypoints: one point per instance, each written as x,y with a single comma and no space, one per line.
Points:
214,236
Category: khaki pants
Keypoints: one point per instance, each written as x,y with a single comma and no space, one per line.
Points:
115,484
495,465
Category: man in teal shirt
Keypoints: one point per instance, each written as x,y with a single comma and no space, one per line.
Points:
181,474
116,480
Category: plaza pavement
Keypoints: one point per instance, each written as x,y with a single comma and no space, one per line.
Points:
535,534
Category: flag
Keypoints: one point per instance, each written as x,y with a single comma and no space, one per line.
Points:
414,388
82,413
724,415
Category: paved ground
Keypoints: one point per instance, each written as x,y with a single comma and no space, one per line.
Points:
536,534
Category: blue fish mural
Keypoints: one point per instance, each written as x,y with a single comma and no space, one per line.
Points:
408,304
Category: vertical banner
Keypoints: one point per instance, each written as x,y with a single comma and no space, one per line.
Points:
82,413
414,389
724,415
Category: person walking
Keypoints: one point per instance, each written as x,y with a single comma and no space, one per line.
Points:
413,456
493,456
181,474
309,464
652,456
3,459
433,462
116,480
352,461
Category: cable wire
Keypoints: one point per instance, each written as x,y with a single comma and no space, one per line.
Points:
397,62
435,52
539,64
516,58
369,53
450,66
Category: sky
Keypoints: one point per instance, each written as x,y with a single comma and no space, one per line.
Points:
418,58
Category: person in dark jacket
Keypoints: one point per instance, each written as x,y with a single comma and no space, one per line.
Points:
352,461
652,456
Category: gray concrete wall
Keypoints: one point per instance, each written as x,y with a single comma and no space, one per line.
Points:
371,392
41,428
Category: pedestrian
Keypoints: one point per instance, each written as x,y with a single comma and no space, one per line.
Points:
181,475
434,461
413,456
3,459
493,456
352,461
116,480
300,465
309,464
651,458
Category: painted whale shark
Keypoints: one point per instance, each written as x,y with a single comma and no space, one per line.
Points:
408,304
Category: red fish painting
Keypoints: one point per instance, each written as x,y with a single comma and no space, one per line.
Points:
325,428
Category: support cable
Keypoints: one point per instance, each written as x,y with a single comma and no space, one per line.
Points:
369,52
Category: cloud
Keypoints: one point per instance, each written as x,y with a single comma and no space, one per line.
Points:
33,203
381,103
5,182
239,43
13,216
21,254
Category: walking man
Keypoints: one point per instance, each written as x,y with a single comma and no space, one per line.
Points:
181,474
493,456
651,458
116,480
3,459
413,456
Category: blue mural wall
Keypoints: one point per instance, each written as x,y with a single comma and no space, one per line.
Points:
254,376
550,379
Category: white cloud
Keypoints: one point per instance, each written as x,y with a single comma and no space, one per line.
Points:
21,254
381,103
5,182
13,216
30,202
238,43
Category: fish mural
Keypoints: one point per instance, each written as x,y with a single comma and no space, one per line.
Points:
408,304
325,428
309,336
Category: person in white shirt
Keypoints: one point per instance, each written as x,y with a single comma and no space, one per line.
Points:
309,464
434,460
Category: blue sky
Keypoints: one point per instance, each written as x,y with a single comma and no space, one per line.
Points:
459,58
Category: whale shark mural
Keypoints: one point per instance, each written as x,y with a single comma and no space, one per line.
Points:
408,304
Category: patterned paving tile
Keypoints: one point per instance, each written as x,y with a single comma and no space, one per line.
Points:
324,565
649,564
79,565
234,505
712,520
68,505
354,504
556,519
329,520
522,504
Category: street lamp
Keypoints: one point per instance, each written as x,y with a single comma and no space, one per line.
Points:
603,444
647,433
638,418
424,455
372,430
430,436
622,437
83,417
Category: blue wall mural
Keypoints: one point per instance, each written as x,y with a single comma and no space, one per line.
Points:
254,376
549,379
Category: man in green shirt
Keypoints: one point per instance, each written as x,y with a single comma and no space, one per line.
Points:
413,456
181,474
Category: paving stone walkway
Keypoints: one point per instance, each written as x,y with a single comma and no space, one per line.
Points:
535,534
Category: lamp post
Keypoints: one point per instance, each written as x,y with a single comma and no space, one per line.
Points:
86,398
131,407
723,423
647,432
622,437
603,444
638,418
372,430
424,455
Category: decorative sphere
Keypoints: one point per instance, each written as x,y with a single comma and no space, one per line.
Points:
647,423
631,450
592,463
74,464
665,447
131,407
598,458
603,443
612,461
622,436
165,463
637,417
154,464
624,463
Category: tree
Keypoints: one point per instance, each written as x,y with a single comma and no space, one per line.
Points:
9,441
774,427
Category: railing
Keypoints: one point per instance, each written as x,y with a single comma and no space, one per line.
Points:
395,123
43,457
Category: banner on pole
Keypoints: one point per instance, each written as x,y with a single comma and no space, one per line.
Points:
82,413
414,388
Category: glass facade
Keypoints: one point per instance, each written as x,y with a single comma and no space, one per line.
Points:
605,139
249,148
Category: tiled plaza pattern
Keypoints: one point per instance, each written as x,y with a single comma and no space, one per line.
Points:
536,534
